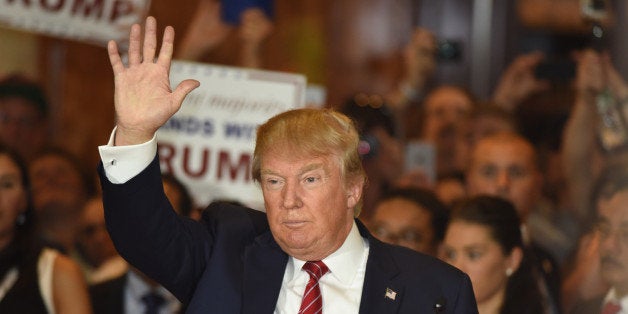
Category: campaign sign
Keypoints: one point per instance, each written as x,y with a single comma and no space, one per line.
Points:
208,144
91,21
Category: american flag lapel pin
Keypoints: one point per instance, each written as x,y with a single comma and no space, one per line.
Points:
390,294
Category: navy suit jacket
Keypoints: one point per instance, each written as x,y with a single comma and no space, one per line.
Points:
108,297
590,306
230,263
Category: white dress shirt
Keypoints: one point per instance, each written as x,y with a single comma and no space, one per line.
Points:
136,288
341,288
623,302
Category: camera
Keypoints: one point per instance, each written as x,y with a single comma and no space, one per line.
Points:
449,50
556,70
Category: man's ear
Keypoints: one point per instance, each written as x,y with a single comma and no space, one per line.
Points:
354,193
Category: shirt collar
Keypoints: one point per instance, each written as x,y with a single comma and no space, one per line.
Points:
341,263
139,287
612,296
136,285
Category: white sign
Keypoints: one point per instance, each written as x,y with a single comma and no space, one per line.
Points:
209,143
92,21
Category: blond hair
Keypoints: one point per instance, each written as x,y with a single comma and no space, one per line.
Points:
312,132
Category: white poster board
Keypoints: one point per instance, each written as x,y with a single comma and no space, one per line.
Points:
209,143
91,21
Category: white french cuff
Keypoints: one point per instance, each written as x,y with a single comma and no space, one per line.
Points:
122,163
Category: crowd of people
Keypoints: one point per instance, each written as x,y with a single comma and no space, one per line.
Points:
533,228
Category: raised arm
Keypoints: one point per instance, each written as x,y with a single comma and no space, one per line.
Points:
580,135
518,82
144,100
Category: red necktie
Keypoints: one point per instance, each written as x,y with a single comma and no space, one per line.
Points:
611,308
312,302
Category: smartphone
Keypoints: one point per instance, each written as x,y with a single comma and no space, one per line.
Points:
232,9
557,70
421,156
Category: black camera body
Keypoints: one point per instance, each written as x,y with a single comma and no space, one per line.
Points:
449,50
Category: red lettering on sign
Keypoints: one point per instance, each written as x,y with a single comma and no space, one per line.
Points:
120,8
186,163
195,162
243,165
52,6
80,7
166,153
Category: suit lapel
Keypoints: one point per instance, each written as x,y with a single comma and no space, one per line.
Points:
264,266
382,291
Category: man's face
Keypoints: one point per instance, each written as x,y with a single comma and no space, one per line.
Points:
505,168
403,222
446,125
613,229
445,107
94,240
21,126
57,185
309,208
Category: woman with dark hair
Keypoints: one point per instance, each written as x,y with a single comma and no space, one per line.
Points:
33,279
484,240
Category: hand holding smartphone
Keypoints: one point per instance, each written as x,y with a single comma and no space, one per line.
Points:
420,157
232,9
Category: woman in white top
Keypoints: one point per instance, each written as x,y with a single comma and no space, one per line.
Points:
33,279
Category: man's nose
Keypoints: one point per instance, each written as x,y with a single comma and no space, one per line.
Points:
611,242
503,181
291,198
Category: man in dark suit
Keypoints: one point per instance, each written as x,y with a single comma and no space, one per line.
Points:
132,292
610,199
238,260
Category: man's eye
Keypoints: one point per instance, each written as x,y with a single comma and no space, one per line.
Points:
411,236
8,184
517,173
488,172
380,232
312,181
272,183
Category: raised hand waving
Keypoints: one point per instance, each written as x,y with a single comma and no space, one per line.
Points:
144,100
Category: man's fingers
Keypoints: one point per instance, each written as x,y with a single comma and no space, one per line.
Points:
114,57
183,89
134,45
165,53
150,39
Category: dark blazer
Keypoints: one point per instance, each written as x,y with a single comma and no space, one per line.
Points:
108,296
590,306
230,263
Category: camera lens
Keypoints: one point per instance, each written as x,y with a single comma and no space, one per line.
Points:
448,50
